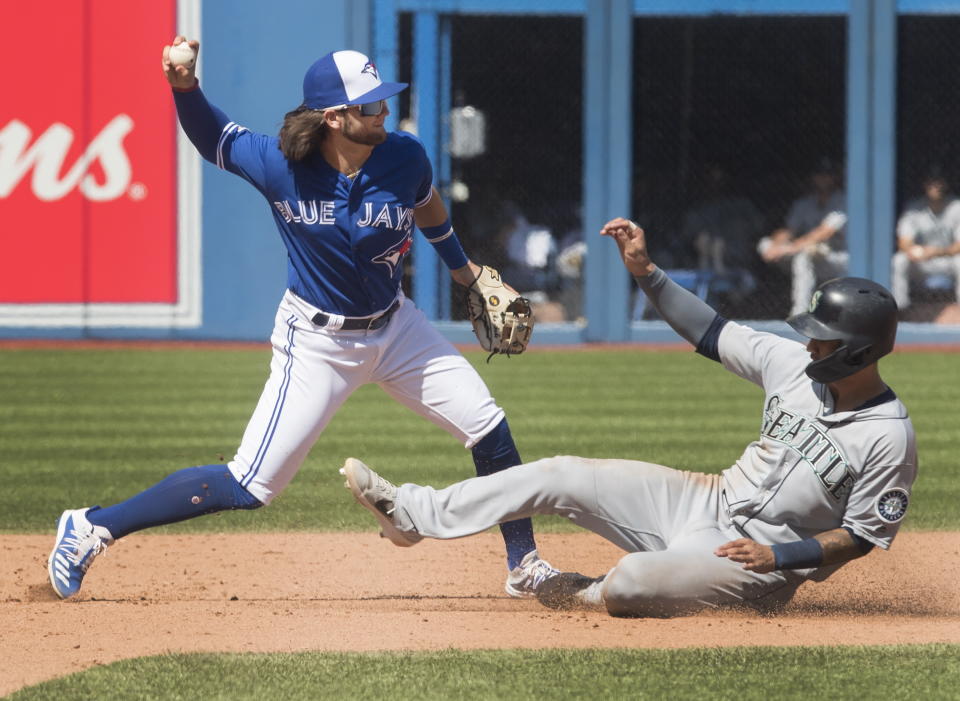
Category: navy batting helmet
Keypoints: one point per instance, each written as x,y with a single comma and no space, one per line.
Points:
859,313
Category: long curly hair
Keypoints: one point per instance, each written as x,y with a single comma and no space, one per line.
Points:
302,131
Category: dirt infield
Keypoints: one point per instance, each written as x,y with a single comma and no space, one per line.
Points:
257,593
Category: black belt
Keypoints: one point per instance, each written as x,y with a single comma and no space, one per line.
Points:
367,323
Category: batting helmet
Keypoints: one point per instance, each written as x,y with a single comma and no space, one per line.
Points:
859,313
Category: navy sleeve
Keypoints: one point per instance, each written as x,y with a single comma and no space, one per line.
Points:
202,122
224,143
863,544
709,345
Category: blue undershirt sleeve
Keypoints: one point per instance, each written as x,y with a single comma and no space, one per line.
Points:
201,121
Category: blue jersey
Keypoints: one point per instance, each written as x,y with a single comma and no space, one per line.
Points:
346,238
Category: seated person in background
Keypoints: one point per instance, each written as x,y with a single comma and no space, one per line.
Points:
721,228
812,246
928,239
530,253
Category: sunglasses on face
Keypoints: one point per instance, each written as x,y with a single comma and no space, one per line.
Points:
368,109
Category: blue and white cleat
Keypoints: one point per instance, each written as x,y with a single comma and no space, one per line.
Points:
78,543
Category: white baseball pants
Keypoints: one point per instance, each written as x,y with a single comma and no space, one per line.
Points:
314,370
810,268
905,271
669,522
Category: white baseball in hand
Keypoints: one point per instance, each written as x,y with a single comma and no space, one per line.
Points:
183,55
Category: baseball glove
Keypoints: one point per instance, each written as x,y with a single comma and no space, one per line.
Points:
501,318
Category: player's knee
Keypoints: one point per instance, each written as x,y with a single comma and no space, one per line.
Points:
562,477
562,463
641,586
900,260
801,262
496,451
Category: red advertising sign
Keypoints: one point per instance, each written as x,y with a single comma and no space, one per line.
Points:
88,156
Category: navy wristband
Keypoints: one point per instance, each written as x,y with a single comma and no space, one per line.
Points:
446,243
798,555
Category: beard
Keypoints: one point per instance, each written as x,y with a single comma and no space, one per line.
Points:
371,136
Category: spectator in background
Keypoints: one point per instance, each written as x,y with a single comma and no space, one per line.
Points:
928,239
812,245
722,229
531,253
571,260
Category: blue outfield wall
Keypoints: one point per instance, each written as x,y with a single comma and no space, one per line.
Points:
251,65
253,56
253,60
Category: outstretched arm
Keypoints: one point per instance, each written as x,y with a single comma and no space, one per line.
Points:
837,545
202,122
686,313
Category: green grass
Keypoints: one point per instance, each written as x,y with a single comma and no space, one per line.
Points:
94,426
901,672
80,427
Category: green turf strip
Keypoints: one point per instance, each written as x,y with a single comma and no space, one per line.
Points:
82,427
928,672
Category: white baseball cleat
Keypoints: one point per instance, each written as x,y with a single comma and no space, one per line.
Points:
524,579
378,496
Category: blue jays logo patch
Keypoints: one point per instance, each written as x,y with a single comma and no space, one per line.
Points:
393,255
371,68
892,505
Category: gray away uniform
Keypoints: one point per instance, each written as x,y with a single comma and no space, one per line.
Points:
811,470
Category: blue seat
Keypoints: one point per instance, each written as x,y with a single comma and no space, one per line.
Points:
938,281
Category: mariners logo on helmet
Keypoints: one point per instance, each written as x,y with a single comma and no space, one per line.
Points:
892,505
371,68
815,300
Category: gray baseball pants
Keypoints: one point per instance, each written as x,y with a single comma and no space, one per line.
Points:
668,521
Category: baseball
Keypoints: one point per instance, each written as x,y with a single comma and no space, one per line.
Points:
182,55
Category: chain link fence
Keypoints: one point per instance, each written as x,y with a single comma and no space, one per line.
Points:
732,117
516,204
738,148
928,112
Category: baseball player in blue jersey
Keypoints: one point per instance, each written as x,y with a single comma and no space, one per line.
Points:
345,196
828,478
